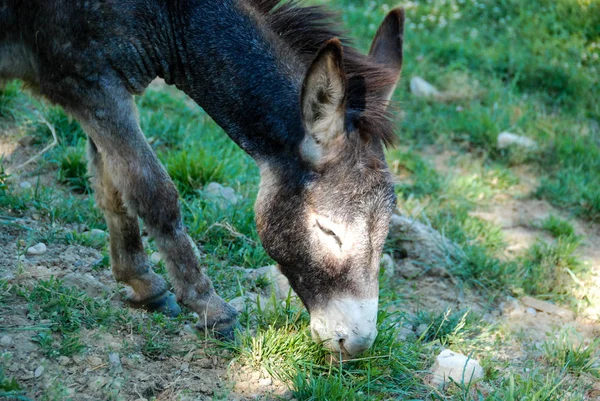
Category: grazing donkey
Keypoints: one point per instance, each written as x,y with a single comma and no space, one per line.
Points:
310,111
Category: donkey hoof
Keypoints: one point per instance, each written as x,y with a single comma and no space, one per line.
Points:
222,328
164,303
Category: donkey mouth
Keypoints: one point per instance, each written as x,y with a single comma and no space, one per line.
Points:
346,326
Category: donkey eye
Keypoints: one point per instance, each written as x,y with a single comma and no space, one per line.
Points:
329,232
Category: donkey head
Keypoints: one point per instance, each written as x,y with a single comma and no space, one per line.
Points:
325,217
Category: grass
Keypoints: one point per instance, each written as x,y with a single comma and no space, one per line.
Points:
568,352
528,68
68,310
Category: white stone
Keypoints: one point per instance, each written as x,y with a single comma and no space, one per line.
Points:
531,311
223,196
252,300
265,382
38,249
25,185
97,233
114,359
38,372
388,265
64,360
155,258
279,282
6,341
506,139
421,88
451,365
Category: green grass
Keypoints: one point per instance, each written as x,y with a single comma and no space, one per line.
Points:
566,351
68,310
531,68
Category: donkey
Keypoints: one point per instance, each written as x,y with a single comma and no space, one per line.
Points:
311,112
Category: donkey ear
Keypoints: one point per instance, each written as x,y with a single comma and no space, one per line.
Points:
323,102
386,48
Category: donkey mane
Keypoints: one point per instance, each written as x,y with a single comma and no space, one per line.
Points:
305,29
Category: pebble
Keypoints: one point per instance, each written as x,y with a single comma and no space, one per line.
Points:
155,258
25,184
114,359
388,265
204,363
222,196
506,139
185,366
421,88
452,365
265,382
531,311
97,233
94,361
188,357
6,341
38,372
422,328
63,360
38,249
98,383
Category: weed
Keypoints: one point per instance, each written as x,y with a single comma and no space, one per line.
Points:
558,227
567,351
68,310
550,268
191,172
72,169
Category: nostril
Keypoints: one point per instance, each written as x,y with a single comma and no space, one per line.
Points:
341,342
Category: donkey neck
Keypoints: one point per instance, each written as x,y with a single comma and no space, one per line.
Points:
239,73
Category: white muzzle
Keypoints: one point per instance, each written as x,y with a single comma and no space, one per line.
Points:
346,325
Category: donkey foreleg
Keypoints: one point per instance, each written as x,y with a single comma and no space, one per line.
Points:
136,176
129,262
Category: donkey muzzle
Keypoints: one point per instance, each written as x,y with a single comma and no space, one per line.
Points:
347,326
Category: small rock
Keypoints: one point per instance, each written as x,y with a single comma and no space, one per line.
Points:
252,300
6,341
114,359
421,244
25,184
421,329
38,249
265,382
204,363
506,139
388,265
421,88
549,308
279,282
452,365
97,383
189,330
38,372
63,360
94,361
405,332
155,258
185,366
97,233
86,282
223,196
188,357
531,311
